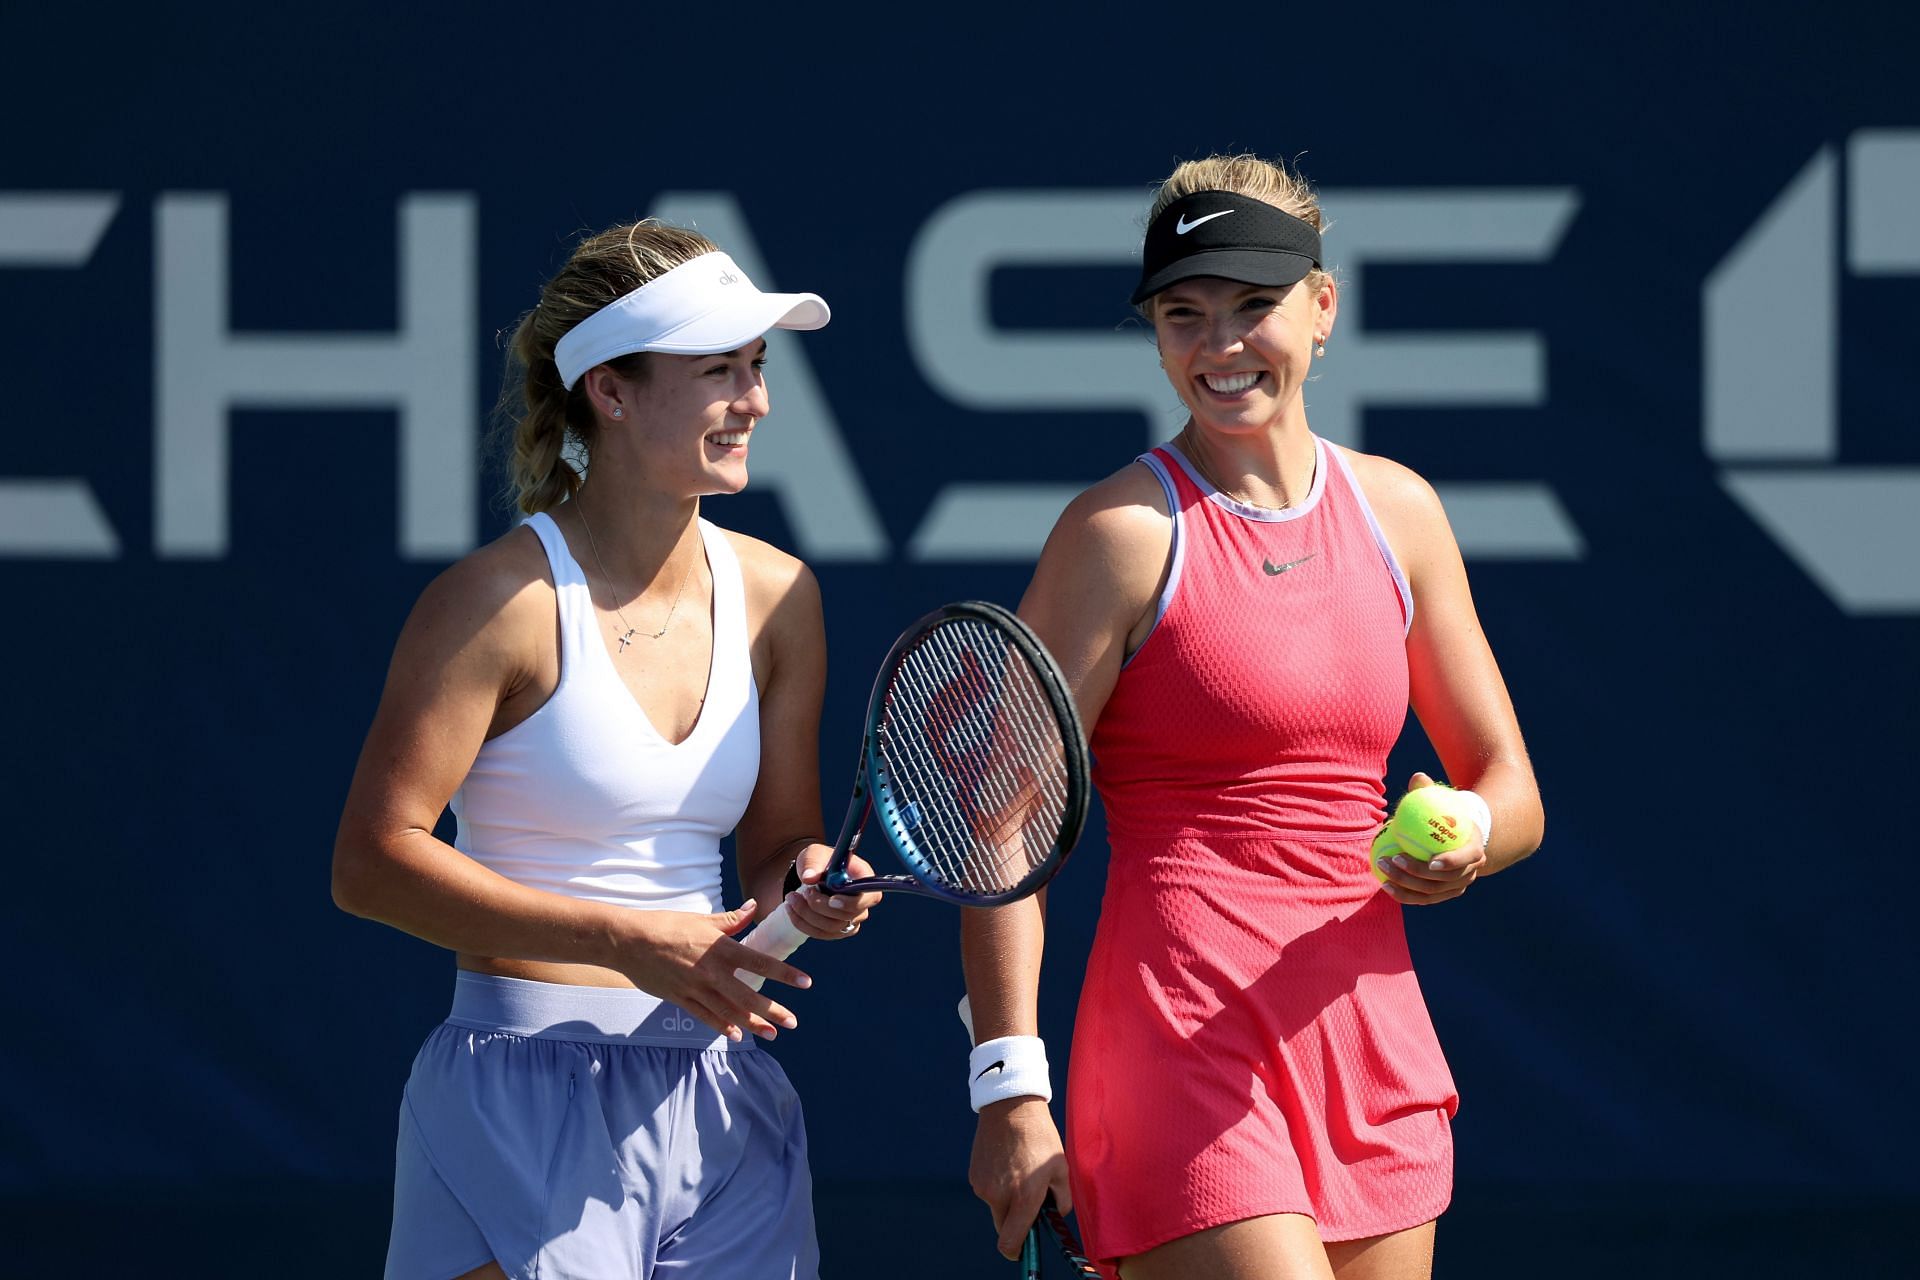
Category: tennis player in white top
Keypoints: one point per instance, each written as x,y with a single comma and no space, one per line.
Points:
601,696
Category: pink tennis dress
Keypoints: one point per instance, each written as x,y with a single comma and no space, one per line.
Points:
1251,1038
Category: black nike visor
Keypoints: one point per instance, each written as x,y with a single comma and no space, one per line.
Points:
1221,233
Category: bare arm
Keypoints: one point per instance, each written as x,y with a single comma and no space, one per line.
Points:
462,655
466,653
782,824
1095,580
1457,690
1088,601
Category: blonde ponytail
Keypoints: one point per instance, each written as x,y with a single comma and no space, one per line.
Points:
538,471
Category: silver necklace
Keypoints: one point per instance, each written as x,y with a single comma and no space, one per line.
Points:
614,593
1193,455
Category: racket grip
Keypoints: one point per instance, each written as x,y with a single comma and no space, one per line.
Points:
777,936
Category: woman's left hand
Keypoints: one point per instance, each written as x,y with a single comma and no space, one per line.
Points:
1414,883
829,917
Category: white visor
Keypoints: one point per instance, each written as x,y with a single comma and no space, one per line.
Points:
702,306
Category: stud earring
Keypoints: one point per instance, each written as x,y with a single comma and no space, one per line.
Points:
618,412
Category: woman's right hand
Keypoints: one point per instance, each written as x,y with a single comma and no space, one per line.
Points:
1017,1160
689,959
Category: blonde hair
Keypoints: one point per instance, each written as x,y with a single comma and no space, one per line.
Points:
1249,175
542,416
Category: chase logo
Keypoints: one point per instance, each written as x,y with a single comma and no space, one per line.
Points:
1771,371
1770,424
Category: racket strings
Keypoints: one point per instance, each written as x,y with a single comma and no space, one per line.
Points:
1003,784
932,744
971,747
1016,822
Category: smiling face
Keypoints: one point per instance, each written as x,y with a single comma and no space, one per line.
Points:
689,418
1238,354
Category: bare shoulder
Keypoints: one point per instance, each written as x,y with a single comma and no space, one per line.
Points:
768,573
1392,488
783,596
1119,519
1103,564
1410,515
504,573
1092,594
494,596
1403,501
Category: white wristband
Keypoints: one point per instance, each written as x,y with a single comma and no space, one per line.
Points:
1482,814
1010,1067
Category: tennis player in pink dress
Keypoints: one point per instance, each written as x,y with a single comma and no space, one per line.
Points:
1246,614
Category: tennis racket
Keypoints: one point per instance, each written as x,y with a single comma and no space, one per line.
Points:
1053,1223
973,759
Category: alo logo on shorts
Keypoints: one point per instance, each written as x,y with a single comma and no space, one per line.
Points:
678,1021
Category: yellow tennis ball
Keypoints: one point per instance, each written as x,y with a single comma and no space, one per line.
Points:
1386,845
1431,821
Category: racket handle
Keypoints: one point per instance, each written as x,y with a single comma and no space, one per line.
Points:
777,936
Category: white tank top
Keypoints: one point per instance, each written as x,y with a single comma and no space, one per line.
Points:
585,798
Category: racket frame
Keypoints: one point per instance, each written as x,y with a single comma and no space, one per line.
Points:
1056,1225
872,790
778,936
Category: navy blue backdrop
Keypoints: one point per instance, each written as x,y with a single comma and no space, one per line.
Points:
1637,293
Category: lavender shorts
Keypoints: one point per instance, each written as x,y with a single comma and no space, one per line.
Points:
582,1133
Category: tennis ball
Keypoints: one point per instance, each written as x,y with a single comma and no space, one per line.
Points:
1385,845
1431,821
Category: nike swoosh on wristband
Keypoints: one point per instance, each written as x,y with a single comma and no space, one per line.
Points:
1181,227
995,1067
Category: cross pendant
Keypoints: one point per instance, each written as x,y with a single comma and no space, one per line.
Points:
626,639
